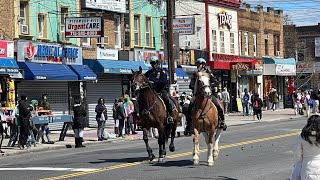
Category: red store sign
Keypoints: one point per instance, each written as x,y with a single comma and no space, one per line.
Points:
6,49
231,62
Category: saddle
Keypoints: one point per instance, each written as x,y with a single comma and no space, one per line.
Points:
171,101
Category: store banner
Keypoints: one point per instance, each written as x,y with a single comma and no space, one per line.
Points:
107,54
305,67
36,52
285,69
7,49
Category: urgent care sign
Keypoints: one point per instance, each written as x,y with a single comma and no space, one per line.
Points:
6,49
78,27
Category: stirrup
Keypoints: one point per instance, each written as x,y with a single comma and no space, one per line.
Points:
169,120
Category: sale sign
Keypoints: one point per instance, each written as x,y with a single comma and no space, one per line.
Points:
6,49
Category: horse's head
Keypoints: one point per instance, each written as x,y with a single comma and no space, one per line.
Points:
203,84
139,81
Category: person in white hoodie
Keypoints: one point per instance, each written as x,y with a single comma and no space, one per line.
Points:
307,152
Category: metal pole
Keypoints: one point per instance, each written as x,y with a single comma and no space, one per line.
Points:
171,63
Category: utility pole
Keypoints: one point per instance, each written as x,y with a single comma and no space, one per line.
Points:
171,64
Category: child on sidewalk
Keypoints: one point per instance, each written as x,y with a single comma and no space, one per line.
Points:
257,106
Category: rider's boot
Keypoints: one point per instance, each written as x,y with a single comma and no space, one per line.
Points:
170,118
223,125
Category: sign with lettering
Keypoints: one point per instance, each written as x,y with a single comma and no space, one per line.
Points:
241,66
29,51
225,19
108,54
7,49
286,69
84,27
183,26
305,67
145,55
107,5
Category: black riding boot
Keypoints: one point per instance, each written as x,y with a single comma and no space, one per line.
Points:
223,125
76,141
189,120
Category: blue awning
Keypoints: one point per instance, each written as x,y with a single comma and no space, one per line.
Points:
35,71
8,66
114,66
84,72
271,60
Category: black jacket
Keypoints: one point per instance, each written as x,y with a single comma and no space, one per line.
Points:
159,77
257,104
24,110
79,120
99,109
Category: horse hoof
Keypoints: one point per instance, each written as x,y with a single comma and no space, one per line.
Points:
210,163
172,148
215,158
196,162
161,159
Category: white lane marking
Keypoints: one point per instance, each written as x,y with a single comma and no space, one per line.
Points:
47,169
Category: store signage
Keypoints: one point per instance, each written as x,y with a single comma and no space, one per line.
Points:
241,66
143,55
48,53
183,26
107,5
6,49
286,69
225,19
84,27
9,71
305,67
225,57
107,54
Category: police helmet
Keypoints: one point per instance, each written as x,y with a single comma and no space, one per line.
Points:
201,61
154,60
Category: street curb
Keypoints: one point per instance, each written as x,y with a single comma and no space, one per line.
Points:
35,149
256,121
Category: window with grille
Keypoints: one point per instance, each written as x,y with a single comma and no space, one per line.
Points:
214,41
222,43
246,44
41,26
148,32
117,31
232,43
136,30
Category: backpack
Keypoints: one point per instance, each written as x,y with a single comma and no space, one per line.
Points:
246,98
256,104
310,103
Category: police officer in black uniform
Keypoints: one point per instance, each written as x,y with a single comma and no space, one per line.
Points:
158,77
201,66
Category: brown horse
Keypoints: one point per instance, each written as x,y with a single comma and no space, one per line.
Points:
153,113
204,116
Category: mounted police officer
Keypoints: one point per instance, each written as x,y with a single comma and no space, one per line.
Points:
158,77
201,66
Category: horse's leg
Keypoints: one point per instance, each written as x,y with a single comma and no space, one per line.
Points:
211,141
196,147
206,137
173,134
161,142
145,139
216,144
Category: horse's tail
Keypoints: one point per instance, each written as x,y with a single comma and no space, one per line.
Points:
167,131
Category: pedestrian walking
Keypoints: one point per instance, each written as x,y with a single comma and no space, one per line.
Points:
24,116
307,103
245,102
14,136
257,106
274,98
120,114
79,122
315,98
101,118
129,108
116,120
45,105
225,100
135,113
307,152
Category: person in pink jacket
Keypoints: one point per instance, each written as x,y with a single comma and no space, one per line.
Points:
129,108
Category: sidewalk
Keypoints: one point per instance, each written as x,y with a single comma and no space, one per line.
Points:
90,136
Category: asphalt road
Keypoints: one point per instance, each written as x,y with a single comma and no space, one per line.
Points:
253,151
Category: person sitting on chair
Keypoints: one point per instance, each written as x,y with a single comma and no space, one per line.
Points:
158,78
201,66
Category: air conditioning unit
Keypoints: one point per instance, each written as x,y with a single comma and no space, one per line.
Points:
24,29
266,36
278,53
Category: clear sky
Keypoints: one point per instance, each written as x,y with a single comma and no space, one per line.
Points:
301,12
